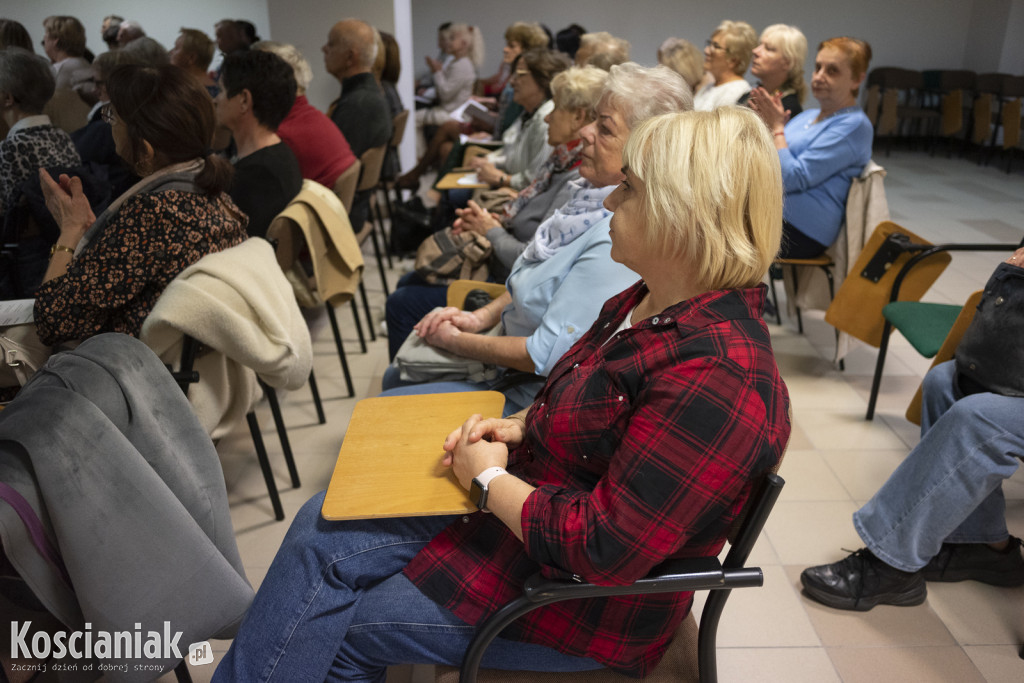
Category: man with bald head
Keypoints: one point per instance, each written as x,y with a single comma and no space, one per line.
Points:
361,112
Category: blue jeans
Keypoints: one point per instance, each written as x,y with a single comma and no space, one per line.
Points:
336,605
949,488
412,299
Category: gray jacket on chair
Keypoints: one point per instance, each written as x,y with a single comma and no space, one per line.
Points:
119,513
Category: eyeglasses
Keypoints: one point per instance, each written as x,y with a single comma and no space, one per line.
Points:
520,73
107,114
715,46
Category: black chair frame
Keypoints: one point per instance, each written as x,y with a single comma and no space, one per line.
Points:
924,251
187,374
672,576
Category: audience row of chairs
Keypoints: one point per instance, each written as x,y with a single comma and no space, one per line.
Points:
983,109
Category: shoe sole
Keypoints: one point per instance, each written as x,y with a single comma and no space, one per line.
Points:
911,599
992,578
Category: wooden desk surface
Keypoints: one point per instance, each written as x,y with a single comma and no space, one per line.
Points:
389,464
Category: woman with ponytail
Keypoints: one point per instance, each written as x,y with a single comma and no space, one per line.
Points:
105,274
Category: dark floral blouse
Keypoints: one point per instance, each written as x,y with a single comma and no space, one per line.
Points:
115,282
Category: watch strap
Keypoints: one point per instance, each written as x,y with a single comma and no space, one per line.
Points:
484,478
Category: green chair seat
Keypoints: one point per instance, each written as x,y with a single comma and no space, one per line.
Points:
924,325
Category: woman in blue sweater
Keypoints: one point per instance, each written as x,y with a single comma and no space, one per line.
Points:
821,150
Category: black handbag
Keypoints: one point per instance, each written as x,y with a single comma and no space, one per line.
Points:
990,356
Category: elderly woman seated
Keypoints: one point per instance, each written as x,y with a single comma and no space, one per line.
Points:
106,274
519,37
575,93
454,77
559,282
779,66
726,57
525,148
319,146
821,150
26,84
257,92
641,447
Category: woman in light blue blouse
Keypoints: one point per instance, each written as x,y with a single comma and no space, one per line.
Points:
821,150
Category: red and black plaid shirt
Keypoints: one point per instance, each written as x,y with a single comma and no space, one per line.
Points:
641,449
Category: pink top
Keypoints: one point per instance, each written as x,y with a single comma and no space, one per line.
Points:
317,143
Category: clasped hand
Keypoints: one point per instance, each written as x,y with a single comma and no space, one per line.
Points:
439,328
474,219
479,444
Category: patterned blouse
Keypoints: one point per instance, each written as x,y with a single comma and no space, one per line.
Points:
26,149
115,282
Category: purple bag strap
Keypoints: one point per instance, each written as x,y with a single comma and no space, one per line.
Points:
35,529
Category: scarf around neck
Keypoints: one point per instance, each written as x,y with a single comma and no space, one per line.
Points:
584,209
563,158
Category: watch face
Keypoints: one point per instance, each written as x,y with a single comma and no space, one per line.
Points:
477,494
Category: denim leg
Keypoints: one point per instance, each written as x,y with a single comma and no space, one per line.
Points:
949,487
303,609
412,299
395,623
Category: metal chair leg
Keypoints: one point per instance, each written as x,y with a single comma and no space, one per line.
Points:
799,318
376,252
359,325
879,365
261,455
341,350
316,398
775,297
282,432
366,309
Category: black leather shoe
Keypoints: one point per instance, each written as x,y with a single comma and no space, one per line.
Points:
862,581
977,562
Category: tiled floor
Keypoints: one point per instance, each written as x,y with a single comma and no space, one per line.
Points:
836,460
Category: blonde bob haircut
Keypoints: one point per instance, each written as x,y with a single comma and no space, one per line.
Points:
791,44
291,55
739,40
712,192
578,87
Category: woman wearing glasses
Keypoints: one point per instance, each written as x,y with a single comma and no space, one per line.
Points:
105,274
726,57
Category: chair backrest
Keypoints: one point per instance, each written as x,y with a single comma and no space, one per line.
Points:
857,307
398,127
458,290
373,161
345,185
